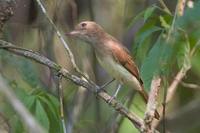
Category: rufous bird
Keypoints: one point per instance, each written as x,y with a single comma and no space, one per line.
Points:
112,56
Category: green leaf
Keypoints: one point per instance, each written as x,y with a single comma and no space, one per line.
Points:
148,12
136,18
28,72
164,23
145,37
156,62
41,115
142,36
29,101
17,126
150,65
51,105
183,56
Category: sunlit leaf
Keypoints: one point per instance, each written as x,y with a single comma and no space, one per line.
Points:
164,22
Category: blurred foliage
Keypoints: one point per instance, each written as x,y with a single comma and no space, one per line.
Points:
162,43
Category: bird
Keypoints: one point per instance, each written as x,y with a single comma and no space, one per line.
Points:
112,56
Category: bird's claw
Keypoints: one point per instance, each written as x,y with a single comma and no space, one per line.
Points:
59,73
100,89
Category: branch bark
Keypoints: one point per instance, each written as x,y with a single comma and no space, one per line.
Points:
151,105
137,121
172,88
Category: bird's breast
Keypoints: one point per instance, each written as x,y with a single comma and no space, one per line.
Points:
117,71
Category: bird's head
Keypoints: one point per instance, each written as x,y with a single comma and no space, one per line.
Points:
88,31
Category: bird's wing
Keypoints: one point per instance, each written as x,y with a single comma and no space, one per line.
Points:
121,55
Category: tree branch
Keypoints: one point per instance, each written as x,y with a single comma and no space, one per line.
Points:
151,105
137,121
190,85
172,88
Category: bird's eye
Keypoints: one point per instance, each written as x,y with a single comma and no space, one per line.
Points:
83,25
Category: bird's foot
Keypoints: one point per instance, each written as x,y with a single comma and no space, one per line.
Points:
115,94
110,100
99,89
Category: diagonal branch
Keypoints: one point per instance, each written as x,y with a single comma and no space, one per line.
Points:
137,121
151,105
172,88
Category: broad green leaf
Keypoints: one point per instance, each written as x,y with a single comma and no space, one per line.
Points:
41,115
144,15
151,64
51,105
29,101
147,14
145,34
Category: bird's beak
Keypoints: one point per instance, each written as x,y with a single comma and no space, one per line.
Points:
72,33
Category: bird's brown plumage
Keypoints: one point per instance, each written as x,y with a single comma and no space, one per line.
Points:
122,56
111,54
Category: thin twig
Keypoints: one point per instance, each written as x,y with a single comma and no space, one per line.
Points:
190,85
169,35
172,25
71,56
178,78
136,121
61,99
58,34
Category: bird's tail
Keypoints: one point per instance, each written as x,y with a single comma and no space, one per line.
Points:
145,96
